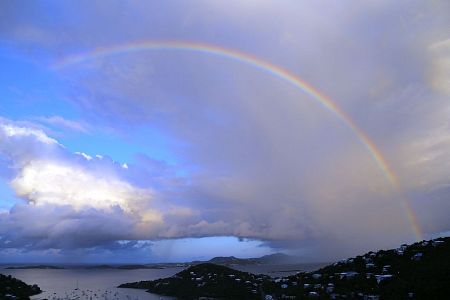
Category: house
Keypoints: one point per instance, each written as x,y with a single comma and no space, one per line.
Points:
380,278
316,276
329,288
417,256
399,251
313,294
371,297
284,286
370,265
436,243
347,275
268,297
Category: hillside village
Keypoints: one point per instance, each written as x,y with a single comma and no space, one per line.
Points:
417,271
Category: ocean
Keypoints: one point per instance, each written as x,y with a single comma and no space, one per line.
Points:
92,284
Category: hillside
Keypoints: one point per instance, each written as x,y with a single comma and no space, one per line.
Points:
417,271
205,280
12,288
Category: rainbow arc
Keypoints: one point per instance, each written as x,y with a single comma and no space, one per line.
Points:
269,68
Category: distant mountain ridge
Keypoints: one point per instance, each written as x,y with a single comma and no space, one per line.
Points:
125,267
276,258
44,267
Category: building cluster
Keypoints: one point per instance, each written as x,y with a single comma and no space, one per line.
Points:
252,282
338,285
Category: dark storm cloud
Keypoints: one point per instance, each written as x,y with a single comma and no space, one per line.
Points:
264,160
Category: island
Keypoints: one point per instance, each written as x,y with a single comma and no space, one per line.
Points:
41,267
125,267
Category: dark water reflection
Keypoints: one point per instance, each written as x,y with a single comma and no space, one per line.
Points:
95,283
101,283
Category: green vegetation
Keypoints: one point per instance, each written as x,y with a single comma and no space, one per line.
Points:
418,271
205,280
12,288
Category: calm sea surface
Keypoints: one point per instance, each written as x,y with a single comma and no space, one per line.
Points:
92,283
101,283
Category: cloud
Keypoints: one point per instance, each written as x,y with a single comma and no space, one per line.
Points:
59,121
62,227
46,173
19,132
257,158
44,182
439,76
70,200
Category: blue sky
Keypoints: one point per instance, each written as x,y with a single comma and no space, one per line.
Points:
179,155
40,94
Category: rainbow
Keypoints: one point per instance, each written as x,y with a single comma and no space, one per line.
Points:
268,68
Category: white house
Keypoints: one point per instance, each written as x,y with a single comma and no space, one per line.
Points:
380,278
437,243
371,297
417,256
348,275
